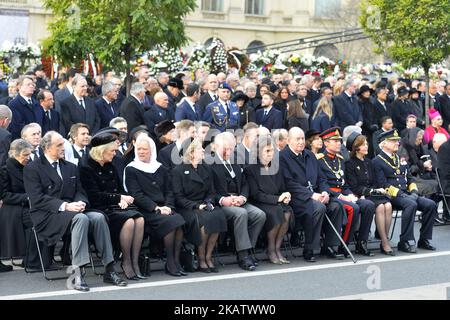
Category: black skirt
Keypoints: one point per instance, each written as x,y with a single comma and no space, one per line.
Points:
213,221
377,200
12,230
116,219
159,225
275,214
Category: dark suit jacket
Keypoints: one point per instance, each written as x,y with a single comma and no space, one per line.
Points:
347,113
297,174
222,179
185,112
165,156
273,120
105,112
54,123
60,95
444,102
155,115
264,188
6,100
22,114
5,141
72,112
133,111
313,95
47,192
380,111
400,111
204,101
444,166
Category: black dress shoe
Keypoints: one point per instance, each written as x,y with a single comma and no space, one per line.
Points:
425,244
343,251
254,260
361,248
182,272
174,274
6,268
114,278
439,221
388,253
214,269
80,284
331,253
404,246
141,277
308,255
247,264
204,270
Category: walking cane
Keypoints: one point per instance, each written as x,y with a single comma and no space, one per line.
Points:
442,189
341,240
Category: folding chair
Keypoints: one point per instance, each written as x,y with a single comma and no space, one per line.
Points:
395,222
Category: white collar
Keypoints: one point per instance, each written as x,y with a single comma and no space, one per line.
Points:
223,102
381,102
267,110
106,99
136,98
212,94
78,98
50,160
25,98
388,154
293,151
78,149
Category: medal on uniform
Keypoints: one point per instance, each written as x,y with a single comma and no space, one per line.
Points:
398,171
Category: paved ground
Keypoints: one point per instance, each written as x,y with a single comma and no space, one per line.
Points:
421,276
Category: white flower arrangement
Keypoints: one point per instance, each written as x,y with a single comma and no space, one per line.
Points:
19,56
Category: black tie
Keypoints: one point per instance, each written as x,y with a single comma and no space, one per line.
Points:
229,167
47,115
82,153
215,97
30,102
351,99
55,165
228,109
35,154
82,103
111,106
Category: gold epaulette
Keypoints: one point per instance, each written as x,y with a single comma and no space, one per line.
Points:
320,156
412,187
339,156
392,191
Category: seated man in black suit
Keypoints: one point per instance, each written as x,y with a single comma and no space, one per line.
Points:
232,192
51,116
59,205
107,106
79,108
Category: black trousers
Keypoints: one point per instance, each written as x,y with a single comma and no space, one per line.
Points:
312,224
335,212
409,204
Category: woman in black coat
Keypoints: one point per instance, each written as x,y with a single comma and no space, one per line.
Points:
360,177
15,219
149,183
193,188
102,184
268,192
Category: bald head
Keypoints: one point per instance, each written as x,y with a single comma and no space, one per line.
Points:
438,140
161,99
296,139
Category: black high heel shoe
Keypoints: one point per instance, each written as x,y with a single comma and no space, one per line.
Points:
134,277
388,253
174,274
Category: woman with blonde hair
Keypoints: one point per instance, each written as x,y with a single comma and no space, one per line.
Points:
193,187
323,118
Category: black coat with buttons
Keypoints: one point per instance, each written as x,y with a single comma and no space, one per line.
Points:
102,184
360,176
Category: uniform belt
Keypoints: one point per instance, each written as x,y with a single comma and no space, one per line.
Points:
335,189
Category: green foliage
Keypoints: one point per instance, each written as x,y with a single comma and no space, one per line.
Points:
114,30
414,33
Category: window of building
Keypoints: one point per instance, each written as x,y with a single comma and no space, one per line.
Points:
212,5
254,7
210,41
254,46
327,8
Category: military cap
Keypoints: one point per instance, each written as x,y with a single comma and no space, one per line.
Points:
331,134
224,85
389,135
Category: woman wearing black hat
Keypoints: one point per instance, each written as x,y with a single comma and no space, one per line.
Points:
314,141
101,181
164,132
370,123
148,182
360,177
247,113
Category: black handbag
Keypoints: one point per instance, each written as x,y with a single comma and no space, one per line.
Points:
188,258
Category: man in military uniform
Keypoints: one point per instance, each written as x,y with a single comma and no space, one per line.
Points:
310,201
223,114
332,166
393,174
